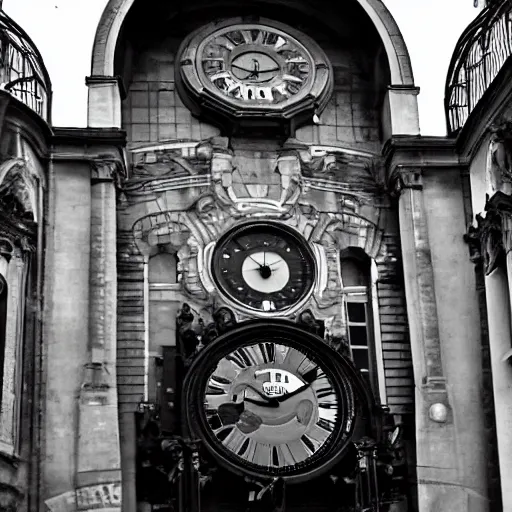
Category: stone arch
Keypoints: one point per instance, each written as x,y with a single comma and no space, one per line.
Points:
115,13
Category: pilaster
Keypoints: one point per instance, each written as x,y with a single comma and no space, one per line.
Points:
495,231
498,306
90,163
418,168
98,441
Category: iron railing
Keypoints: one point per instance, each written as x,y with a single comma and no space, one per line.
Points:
480,54
22,71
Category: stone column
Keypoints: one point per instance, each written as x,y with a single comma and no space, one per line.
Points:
98,449
498,307
442,484
506,226
498,287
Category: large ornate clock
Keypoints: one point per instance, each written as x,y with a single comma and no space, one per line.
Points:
270,399
264,268
259,70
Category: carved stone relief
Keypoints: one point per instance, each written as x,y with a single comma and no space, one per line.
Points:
184,195
499,160
491,239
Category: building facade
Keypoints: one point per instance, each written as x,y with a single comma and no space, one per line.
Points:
250,283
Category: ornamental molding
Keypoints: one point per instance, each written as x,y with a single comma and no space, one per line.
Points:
183,196
405,177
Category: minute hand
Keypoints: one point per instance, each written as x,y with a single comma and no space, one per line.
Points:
282,398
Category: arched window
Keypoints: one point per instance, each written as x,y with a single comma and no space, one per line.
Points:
356,281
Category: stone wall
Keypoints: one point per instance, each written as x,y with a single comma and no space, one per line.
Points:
153,110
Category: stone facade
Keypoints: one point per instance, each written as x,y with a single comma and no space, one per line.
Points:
108,293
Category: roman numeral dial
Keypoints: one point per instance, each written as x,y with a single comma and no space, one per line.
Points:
272,406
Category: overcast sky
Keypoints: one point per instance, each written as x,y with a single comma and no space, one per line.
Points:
63,30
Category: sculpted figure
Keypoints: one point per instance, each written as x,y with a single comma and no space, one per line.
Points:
499,163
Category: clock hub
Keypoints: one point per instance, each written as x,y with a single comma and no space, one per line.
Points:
264,419
265,272
264,267
254,67
271,405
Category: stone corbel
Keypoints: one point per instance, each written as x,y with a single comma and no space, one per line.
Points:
403,178
108,170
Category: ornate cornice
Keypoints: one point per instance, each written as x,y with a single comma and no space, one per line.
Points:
408,158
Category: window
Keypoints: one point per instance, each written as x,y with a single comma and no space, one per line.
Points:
162,268
356,281
161,310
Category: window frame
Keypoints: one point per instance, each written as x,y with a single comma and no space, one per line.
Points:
366,294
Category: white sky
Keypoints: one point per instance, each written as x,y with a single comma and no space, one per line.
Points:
64,30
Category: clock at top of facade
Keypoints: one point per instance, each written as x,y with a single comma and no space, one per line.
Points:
264,268
250,70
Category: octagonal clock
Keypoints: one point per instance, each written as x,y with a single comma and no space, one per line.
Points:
247,70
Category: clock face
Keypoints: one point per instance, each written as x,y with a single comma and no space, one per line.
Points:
264,267
270,405
255,64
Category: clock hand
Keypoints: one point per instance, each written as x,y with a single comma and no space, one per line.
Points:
268,400
293,393
269,70
256,69
257,262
